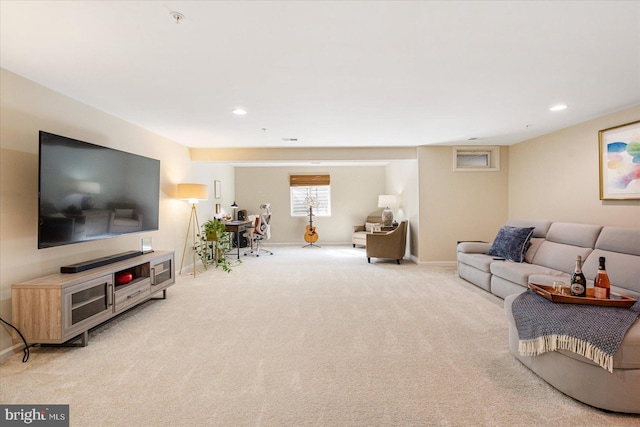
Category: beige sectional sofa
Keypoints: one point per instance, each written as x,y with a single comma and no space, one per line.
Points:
551,256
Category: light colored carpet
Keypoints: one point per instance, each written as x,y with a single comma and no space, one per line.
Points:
306,337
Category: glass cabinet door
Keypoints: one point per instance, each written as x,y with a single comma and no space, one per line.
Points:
162,274
87,303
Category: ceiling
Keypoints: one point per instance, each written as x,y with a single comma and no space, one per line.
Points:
332,74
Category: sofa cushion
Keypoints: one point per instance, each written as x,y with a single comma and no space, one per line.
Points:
479,278
478,261
618,239
559,256
534,245
519,272
548,279
623,270
511,243
583,235
541,227
474,247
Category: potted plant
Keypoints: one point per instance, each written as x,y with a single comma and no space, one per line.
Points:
213,243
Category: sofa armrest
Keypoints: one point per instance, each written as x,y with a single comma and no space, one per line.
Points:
474,247
358,228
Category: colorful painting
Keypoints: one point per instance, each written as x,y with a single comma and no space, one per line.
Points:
620,162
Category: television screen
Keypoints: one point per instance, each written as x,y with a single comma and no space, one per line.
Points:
89,192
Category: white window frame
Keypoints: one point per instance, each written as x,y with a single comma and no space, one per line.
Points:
299,208
475,159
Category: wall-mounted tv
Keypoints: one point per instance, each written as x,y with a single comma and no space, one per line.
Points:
89,192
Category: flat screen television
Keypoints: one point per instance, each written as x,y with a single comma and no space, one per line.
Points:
89,192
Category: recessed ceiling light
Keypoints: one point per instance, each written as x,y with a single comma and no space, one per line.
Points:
558,107
239,111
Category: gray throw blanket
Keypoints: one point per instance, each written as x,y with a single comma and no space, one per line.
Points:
594,332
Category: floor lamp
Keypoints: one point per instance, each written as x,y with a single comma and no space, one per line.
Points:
193,193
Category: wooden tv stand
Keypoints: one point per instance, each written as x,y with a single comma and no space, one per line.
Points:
62,307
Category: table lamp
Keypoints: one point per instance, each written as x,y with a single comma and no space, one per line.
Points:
384,201
234,206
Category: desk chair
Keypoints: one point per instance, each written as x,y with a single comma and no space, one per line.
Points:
260,232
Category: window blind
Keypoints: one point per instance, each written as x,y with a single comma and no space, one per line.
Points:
300,197
308,180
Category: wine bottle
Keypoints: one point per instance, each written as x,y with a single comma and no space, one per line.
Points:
602,283
578,282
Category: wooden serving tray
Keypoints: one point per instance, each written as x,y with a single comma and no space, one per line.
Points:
549,293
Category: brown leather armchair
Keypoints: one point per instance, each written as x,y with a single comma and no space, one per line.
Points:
390,244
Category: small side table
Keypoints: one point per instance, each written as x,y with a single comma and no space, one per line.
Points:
237,227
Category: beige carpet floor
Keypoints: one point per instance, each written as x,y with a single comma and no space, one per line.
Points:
306,337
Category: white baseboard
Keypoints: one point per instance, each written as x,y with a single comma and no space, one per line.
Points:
442,263
8,352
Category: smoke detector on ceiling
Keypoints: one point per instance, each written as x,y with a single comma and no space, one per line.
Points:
177,16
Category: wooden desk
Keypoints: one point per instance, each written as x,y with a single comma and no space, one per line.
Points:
238,227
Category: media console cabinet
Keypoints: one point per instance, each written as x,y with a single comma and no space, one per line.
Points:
60,308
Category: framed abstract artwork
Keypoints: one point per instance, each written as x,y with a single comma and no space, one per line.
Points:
619,149
217,189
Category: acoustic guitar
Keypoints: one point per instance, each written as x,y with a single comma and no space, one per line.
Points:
311,236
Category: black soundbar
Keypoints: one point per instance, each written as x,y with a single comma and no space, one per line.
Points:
98,262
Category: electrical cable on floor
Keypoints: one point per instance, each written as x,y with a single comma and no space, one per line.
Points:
26,346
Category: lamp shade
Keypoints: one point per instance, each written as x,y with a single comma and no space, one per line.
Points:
386,200
193,192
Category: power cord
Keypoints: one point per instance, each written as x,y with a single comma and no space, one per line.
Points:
26,346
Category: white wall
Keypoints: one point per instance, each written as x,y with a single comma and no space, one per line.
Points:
26,108
402,181
354,193
556,176
458,205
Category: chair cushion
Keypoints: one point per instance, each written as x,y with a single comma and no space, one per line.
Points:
372,226
511,243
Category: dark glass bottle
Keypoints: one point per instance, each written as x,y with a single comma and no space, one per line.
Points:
578,282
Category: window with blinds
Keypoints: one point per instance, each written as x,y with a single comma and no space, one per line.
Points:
310,190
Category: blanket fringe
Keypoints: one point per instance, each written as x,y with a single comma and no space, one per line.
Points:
543,344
